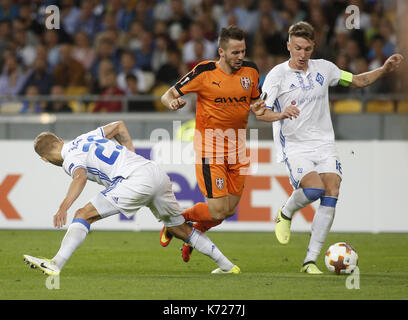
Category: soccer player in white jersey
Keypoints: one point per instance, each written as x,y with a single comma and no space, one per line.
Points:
131,182
297,103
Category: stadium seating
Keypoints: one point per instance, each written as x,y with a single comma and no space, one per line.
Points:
402,107
380,106
348,106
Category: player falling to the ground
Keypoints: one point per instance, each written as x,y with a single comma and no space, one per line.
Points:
305,142
131,182
225,90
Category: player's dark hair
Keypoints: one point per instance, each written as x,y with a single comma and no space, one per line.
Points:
230,32
302,29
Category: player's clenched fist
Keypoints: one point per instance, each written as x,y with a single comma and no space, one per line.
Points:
258,107
392,63
177,103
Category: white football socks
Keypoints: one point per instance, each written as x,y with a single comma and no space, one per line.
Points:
203,244
296,201
76,234
321,225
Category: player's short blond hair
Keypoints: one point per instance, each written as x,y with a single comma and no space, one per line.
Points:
45,142
302,29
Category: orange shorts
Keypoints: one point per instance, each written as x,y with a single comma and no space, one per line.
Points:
217,180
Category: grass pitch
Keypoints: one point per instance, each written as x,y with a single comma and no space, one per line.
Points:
133,265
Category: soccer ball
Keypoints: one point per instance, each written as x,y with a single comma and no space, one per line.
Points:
341,258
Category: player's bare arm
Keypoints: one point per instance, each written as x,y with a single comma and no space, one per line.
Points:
258,107
290,112
77,185
120,133
171,99
367,78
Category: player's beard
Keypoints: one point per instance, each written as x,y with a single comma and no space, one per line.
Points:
234,64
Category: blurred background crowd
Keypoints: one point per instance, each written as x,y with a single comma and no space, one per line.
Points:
136,47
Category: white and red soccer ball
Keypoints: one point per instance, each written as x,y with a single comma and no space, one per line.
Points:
341,258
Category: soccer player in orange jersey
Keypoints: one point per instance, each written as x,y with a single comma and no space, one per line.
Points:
226,90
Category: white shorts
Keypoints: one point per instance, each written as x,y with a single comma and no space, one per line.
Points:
149,186
302,163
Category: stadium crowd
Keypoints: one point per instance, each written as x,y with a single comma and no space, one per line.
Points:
134,47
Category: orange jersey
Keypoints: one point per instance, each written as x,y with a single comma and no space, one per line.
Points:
223,102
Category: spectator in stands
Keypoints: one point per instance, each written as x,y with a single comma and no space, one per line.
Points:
133,91
179,20
32,106
268,7
128,66
144,14
13,76
269,37
112,89
24,50
18,24
8,10
69,72
353,52
231,10
88,22
159,56
295,10
131,40
196,34
376,54
51,42
260,58
144,55
27,18
125,16
105,67
82,51
318,21
5,37
58,106
39,77
198,53
105,49
390,38
171,71
70,15
209,26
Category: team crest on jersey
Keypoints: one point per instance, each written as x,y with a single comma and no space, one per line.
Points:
319,78
219,182
245,82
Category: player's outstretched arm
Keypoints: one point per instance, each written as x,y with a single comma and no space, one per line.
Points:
120,133
171,99
77,185
367,78
288,113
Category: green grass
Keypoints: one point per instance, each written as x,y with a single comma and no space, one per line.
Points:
133,265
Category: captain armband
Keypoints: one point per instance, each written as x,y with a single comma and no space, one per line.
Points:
346,78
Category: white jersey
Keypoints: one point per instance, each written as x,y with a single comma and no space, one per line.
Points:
309,92
103,159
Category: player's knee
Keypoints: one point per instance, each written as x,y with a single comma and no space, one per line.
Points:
181,232
219,214
313,193
332,192
81,214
